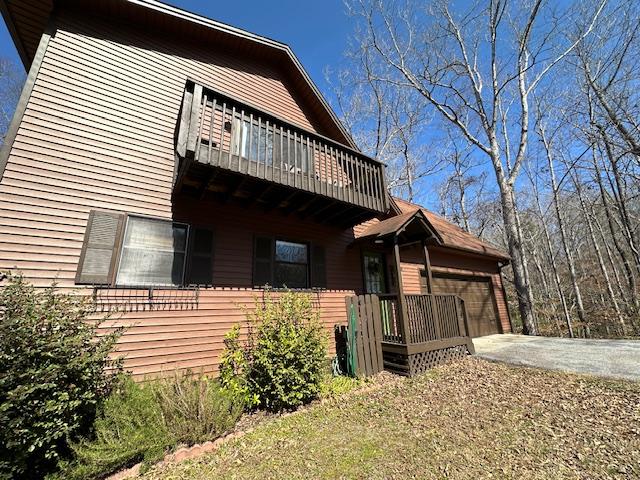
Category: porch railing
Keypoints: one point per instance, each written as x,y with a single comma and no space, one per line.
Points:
429,317
218,130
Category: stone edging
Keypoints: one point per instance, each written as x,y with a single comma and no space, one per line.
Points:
183,453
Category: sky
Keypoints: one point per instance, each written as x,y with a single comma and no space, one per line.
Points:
316,31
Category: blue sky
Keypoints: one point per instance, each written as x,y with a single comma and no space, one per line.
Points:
317,31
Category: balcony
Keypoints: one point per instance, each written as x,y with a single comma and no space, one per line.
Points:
229,150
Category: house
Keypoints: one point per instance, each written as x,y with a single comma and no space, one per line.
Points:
172,166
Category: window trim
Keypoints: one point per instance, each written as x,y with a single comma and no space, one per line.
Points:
122,247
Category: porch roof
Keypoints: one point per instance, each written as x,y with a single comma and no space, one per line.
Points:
408,226
452,236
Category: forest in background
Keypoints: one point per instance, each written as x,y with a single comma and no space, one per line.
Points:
519,121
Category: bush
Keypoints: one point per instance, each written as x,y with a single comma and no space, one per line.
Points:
196,408
129,429
52,375
141,422
233,366
284,358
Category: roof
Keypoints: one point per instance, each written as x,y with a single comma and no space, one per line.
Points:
27,20
397,224
452,236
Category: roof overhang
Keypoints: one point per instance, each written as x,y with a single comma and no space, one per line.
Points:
27,20
405,229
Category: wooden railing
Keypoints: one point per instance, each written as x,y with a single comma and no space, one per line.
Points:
221,131
391,325
429,318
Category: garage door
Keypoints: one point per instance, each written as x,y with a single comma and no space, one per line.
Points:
477,294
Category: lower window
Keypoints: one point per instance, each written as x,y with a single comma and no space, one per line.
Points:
153,252
291,265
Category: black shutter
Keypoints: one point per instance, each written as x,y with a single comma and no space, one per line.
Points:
102,239
318,267
263,261
201,257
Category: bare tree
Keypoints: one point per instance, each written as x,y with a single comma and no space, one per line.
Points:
477,69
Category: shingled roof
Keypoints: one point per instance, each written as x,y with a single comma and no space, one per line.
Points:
453,236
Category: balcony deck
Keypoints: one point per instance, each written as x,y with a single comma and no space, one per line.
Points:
229,149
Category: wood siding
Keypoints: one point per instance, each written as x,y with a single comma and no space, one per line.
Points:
98,133
444,261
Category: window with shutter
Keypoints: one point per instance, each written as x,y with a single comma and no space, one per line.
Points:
100,248
201,257
263,261
318,267
153,252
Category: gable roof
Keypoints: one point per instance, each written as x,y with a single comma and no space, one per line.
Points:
28,19
452,236
397,224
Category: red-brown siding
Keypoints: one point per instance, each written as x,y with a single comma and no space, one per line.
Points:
98,132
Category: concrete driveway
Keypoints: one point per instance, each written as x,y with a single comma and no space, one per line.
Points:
605,358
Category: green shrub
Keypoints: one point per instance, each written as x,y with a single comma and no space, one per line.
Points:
233,366
129,429
284,356
196,408
53,375
141,422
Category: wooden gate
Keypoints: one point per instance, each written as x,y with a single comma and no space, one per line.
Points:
364,312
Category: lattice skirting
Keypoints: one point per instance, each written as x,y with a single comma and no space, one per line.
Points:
421,362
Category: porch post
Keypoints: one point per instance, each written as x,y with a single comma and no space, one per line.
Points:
402,302
427,267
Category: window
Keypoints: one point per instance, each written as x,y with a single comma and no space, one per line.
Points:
291,265
284,263
265,146
153,252
128,250
374,272
255,143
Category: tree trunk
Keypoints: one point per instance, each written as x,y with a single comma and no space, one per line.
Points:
603,268
518,263
563,237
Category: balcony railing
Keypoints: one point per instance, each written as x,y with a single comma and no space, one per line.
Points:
218,130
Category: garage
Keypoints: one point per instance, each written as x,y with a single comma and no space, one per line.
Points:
477,293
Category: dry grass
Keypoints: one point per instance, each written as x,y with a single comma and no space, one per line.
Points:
471,419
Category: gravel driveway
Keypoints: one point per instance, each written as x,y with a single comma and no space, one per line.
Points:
605,358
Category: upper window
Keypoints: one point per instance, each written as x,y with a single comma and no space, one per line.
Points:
265,146
153,252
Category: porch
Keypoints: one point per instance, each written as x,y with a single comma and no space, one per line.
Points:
405,333
408,334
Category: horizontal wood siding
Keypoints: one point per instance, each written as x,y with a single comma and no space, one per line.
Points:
447,261
98,132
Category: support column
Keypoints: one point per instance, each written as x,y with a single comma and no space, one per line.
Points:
402,302
427,267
